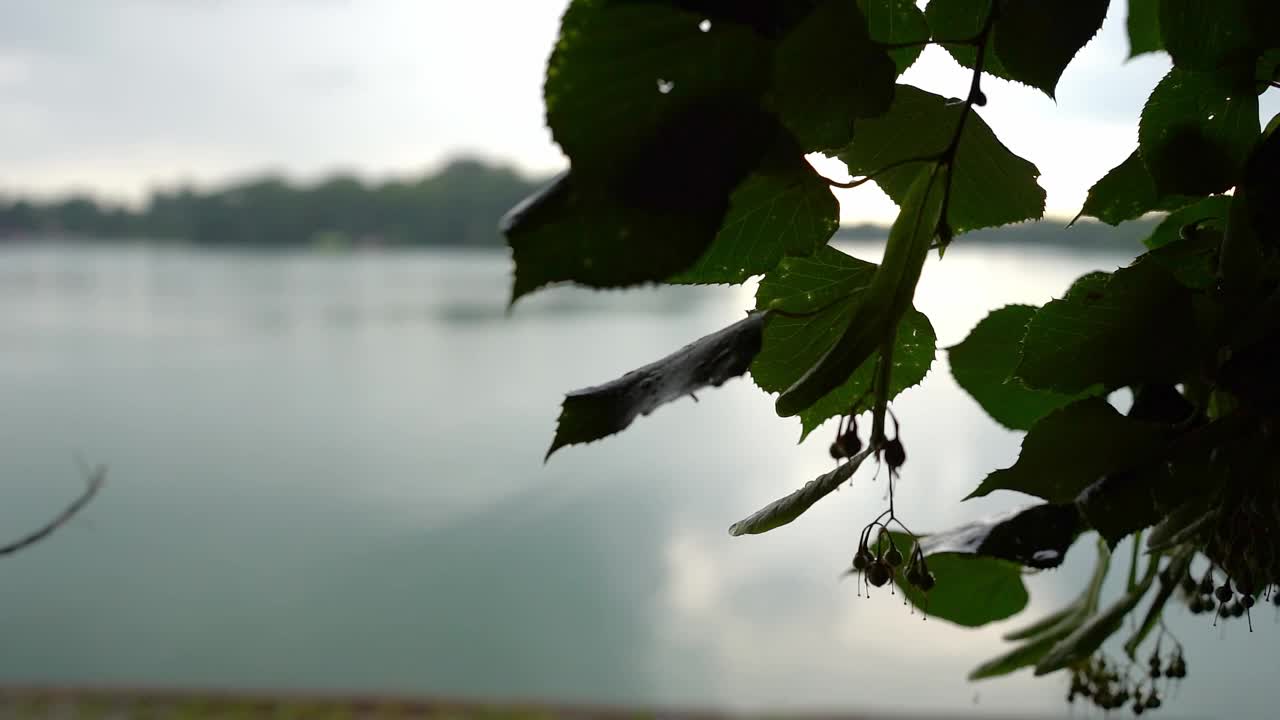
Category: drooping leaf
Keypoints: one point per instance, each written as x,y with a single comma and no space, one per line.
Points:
785,509
817,298
897,22
881,307
595,412
1176,569
1036,536
608,92
1071,448
990,185
597,235
956,25
1035,40
1126,192
827,72
783,208
1039,638
1210,34
1209,213
970,590
1196,130
1143,25
1089,637
984,363
1131,327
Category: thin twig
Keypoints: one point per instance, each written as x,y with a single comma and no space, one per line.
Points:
94,480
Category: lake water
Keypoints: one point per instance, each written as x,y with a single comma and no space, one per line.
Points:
326,474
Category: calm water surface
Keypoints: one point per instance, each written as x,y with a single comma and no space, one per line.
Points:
326,473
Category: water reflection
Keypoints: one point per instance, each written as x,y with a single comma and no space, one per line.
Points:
326,473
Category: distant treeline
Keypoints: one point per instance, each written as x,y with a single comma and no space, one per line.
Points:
460,205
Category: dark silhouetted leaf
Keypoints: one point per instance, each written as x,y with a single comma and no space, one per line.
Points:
881,307
1089,637
1132,327
767,17
1037,536
608,91
1144,27
829,284
784,208
1072,448
956,24
990,186
595,412
896,22
1035,40
983,364
1124,502
1210,34
784,510
1210,213
827,72
1127,192
971,590
1196,130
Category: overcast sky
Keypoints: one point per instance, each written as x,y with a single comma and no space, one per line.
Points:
117,96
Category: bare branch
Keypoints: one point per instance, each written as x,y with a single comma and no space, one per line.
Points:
94,479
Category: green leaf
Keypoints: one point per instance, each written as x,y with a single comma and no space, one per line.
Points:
896,22
1089,637
827,72
1126,192
956,24
783,510
881,307
970,590
1209,34
1071,448
990,186
1144,27
983,364
1131,327
784,208
1193,261
1036,40
1036,536
1210,213
818,297
1196,130
604,87
595,412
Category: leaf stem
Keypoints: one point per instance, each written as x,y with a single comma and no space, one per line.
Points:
948,156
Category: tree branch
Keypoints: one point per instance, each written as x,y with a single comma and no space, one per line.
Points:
94,480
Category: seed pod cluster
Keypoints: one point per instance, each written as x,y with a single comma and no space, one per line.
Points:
880,565
1108,686
1228,599
847,442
